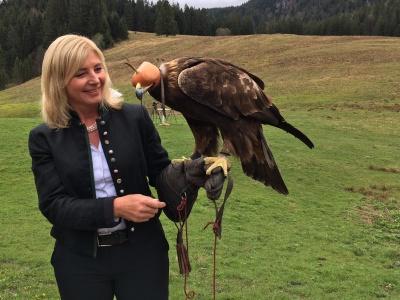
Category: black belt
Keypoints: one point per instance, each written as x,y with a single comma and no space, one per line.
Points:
113,238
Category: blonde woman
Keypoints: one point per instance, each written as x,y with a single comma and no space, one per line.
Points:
93,160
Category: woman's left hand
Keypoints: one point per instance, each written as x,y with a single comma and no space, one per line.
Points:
136,207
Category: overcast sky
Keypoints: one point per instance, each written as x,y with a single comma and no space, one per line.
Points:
208,3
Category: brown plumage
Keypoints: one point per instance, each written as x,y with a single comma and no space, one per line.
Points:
218,98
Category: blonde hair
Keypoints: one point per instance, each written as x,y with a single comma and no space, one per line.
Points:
61,61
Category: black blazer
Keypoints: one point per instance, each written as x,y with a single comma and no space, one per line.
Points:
62,167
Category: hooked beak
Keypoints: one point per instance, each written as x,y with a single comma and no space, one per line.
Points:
140,91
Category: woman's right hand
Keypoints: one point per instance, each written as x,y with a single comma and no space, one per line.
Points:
136,207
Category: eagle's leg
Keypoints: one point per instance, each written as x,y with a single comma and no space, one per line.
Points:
206,137
221,160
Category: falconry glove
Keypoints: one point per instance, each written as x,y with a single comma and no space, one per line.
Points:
187,177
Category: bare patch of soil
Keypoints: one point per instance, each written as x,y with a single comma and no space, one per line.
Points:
374,195
380,192
368,213
371,106
385,169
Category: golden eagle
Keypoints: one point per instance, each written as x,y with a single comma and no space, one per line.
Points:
218,98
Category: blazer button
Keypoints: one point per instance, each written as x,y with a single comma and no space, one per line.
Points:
106,142
105,133
110,151
122,191
115,171
102,122
112,159
119,180
132,229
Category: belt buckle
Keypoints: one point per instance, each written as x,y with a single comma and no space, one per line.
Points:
102,234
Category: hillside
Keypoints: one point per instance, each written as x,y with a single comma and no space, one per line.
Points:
299,71
310,9
316,17
335,236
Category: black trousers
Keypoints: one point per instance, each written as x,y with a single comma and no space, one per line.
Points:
120,270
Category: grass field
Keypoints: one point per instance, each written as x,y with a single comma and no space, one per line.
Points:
335,236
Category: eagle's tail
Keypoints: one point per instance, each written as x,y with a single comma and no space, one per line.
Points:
289,128
262,166
273,117
295,132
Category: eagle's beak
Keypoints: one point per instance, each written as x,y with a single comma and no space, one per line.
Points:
140,91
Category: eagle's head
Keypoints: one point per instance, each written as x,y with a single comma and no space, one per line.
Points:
145,77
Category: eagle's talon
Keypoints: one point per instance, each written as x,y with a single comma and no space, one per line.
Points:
215,162
179,160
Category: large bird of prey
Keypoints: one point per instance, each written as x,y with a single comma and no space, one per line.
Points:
217,99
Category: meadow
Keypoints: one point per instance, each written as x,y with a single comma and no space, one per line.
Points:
335,236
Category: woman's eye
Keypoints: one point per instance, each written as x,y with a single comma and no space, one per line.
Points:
79,74
98,69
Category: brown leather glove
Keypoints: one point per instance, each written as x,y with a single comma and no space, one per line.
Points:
187,177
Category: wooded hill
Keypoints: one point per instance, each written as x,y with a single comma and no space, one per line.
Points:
315,17
28,26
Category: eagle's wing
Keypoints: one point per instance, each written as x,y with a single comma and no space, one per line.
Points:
224,87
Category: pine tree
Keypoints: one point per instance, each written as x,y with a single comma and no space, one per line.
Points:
139,14
3,78
165,19
55,20
246,25
75,16
150,16
119,30
129,11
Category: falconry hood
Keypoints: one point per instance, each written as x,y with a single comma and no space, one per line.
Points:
146,76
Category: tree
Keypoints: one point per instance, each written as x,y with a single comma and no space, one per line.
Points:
22,69
129,11
165,19
3,78
55,20
149,16
246,25
119,30
75,18
222,31
139,14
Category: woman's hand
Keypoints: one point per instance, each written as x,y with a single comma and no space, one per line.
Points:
136,207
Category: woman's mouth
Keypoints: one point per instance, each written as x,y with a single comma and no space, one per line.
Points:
93,92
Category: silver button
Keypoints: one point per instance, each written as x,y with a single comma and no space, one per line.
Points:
112,159
122,191
102,122
105,133
119,180
106,142
132,229
110,151
115,171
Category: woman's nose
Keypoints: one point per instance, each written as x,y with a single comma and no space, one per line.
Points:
93,77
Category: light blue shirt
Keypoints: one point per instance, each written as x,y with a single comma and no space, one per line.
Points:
103,182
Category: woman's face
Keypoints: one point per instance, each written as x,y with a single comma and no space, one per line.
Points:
85,89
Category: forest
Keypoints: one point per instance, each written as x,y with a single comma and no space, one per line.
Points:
28,26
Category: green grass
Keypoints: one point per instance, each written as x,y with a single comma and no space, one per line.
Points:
335,236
